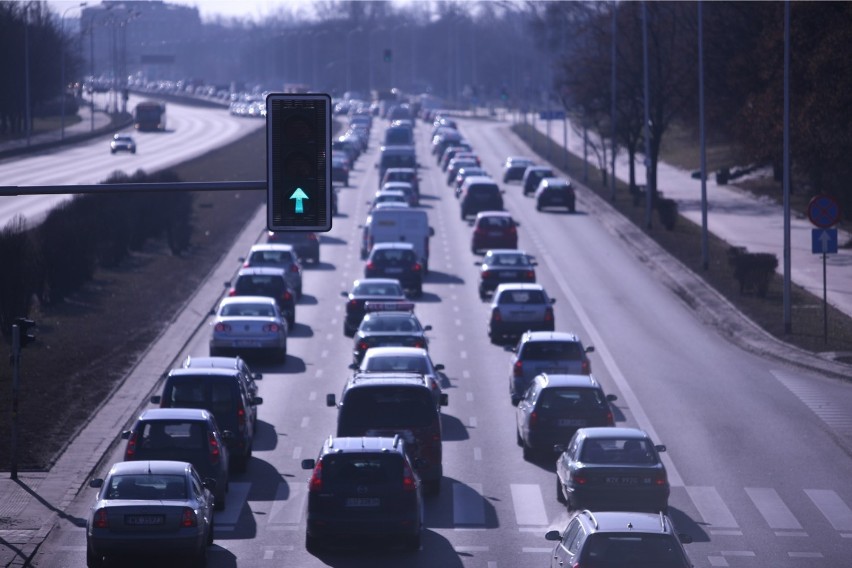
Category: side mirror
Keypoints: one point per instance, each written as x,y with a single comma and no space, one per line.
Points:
590,349
439,367
517,224
228,435
376,166
212,312
210,484
241,258
419,463
227,284
533,263
156,399
257,376
477,263
684,538
509,348
660,448
125,435
553,300
353,366
309,464
344,294
256,400
445,399
558,448
431,231
427,328
611,397
330,400
96,483
552,535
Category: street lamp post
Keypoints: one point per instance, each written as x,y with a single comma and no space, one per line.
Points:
64,87
27,111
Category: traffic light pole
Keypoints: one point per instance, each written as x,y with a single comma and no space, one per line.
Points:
16,367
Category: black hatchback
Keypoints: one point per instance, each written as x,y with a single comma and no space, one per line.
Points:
396,260
269,282
364,487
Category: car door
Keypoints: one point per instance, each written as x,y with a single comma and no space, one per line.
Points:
562,553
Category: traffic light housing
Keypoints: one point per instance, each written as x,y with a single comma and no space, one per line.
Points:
298,153
25,333
388,56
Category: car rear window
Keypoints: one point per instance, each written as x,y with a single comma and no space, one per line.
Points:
622,549
563,399
208,393
260,285
394,256
397,364
552,351
613,450
393,323
377,290
521,297
483,190
500,222
146,487
367,409
271,257
162,434
361,469
398,161
247,310
507,260
398,136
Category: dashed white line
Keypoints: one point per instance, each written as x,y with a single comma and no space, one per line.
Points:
324,353
717,561
537,550
741,553
297,452
329,336
305,421
465,374
804,554
463,354
469,397
477,454
318,373
461,337
472,422
458,322
313,395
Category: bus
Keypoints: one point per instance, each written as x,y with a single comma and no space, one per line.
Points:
150,115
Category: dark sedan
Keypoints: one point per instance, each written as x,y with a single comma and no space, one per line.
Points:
388,329
502,266
365,290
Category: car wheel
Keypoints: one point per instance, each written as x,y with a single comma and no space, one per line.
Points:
219,500
210,532
347,332
93,560
529,453
538,206
312,544
560,496
483,295
518,438
299,292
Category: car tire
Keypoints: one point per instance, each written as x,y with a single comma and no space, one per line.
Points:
483,295
210,532
93,560
518,439
560,496
538,206
529,453
312,544
219,500
347,332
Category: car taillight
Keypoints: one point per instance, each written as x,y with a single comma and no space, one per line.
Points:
370,266
312,236
189,518
213,446
660,479
130,451
419,343
294,268
246,264
351,304
610,421
495,315
530,274
518,368
222,327
512,230
241,418
416,267
100,519
271,327
548,314
287,296
478,231
487,274
315,484
586,367
363,346
232,292
578,479
408,483
533,419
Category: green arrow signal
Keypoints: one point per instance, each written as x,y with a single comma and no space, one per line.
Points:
299,195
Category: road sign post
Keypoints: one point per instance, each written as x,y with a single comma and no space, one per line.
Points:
824,212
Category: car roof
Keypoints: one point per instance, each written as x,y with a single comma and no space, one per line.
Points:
473,180
363,444
149,466
375,380
198,414
404,170
519,252
555,181
617,521
550,336
520,159
394,352
204,372
534,168
493,214
215,362
565,380
518,286
261,270
613,432
395,184
272,246
375,281
247,300
401,246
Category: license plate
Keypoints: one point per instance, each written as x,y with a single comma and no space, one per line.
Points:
571,422
494,233
622,480
394,270
143,520
508,274
246,343
363,502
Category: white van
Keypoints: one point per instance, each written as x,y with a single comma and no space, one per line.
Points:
398,224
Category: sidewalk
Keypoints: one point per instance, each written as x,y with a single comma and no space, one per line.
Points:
738,218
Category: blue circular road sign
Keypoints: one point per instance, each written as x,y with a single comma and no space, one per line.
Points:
824,211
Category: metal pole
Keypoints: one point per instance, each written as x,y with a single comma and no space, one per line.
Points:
16,368
565,142
62,84
705,250
647,115
612,107
28,112
92,59
824,299
788,324
547,122
585,149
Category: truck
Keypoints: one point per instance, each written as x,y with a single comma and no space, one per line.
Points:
150,115
398,224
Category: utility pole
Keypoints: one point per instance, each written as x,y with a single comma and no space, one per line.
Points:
648,196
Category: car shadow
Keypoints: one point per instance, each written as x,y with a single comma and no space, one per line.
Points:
265,437
308,300
322,266
429,197
685,524
364,552
328,240
437,277
452,429
562,212
617,414
292,365
478,511
545,460
427,297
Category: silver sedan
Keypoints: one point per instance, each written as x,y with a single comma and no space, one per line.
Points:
245,324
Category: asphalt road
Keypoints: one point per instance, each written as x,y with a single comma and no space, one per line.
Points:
758,452
190,131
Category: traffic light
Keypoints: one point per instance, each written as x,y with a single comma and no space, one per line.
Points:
504,95
388,55
25,333
298,152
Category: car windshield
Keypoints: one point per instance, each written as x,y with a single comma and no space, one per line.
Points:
260,285
146,487
552,351
614,550
201,392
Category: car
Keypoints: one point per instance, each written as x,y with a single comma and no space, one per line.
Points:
395,157
346,147
387,404
463,174
404,187
618,538
450,152
479,193
612,469
396,260
555,406
340,169
388,328
366,290
402,174
456,164
494,230
150,508
533,176
555,192
443,139
306,243
402,360
503,266
399,136
363,487
182,434
514,167
518,308
249,324
390,196
248,377
122,143
277,256
270,282
222,392
545,352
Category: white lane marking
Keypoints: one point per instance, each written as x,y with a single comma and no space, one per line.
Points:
711,507
337,308
492,564
536,550
458,322
469,397
741,553
334,320
471,548
477,454
297,452
324,353
826,409
288,505
305,421
596,339
529,504
461,337
774,511
70,548
468,504
463,354
318,373
724,532
453,296
268,554
832,507
329,336
234,500
804,554
717,561
465,374
791,533
455,308
313,395
472,422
